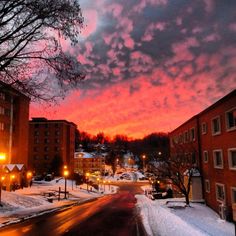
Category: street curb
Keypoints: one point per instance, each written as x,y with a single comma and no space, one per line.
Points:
44,212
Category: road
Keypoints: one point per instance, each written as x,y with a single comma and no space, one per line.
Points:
114,215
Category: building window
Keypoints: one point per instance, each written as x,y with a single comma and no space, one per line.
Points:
192,134
56,149
46,157
46,140
233,194
36,126
36,133
1,126
220,192
232,158
36,149
36,157
186,136
207,186
2,111
2,96
46,149
46,125
204,128
46,133
216,128
57,140
218,159
36,140
205,156
231,119
57,132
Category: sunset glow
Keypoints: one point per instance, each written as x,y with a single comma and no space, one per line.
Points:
150,65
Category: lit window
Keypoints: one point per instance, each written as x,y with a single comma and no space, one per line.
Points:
233,194
220,192
207,185
204,128
218,159
232,158
216,129
231,119
205,156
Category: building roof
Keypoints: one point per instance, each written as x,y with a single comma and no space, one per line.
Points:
217,103
45,120
9,89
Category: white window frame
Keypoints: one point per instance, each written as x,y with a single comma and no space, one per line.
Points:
217,197
204,131
205,161
230,158
212,126
233,189
207,183
214,159
227,122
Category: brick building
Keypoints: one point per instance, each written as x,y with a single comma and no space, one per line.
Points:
14,117
51,145
210,137
88,163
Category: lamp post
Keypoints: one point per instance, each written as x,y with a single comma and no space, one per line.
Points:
65,173
98,183
29,178
87,178
109,182
144,157
2,159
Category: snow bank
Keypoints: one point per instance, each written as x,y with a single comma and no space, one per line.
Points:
197,220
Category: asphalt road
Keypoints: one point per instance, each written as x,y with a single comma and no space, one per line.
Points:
114,215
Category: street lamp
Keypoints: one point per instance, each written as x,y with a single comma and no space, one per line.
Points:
144,157
109,182
29,178
87,178
65,173
98,183
2,159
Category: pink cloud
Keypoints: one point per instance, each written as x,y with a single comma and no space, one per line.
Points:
90,22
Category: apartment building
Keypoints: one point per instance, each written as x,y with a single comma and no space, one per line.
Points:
51,143
212,133
88,163
14,116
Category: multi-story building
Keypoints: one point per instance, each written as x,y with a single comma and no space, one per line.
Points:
211,135
88,163
51,145
14,116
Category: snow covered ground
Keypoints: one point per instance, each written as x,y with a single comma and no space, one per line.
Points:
126,176
29,202
197,220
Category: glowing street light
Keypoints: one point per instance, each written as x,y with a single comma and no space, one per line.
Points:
144,157
2,156
65,173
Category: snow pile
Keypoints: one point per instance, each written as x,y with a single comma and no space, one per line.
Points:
199,219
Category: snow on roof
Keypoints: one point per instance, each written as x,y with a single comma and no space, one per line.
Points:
11,167
83,155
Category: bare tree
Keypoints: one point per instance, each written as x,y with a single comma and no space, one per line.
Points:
31,56
180,169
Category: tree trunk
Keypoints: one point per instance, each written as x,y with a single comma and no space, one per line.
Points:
187,199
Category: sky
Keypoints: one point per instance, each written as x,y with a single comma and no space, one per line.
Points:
150,64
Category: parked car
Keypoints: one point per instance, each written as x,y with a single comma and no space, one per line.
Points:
48,177
38,178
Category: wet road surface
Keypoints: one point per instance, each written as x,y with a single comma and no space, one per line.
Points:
113,215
